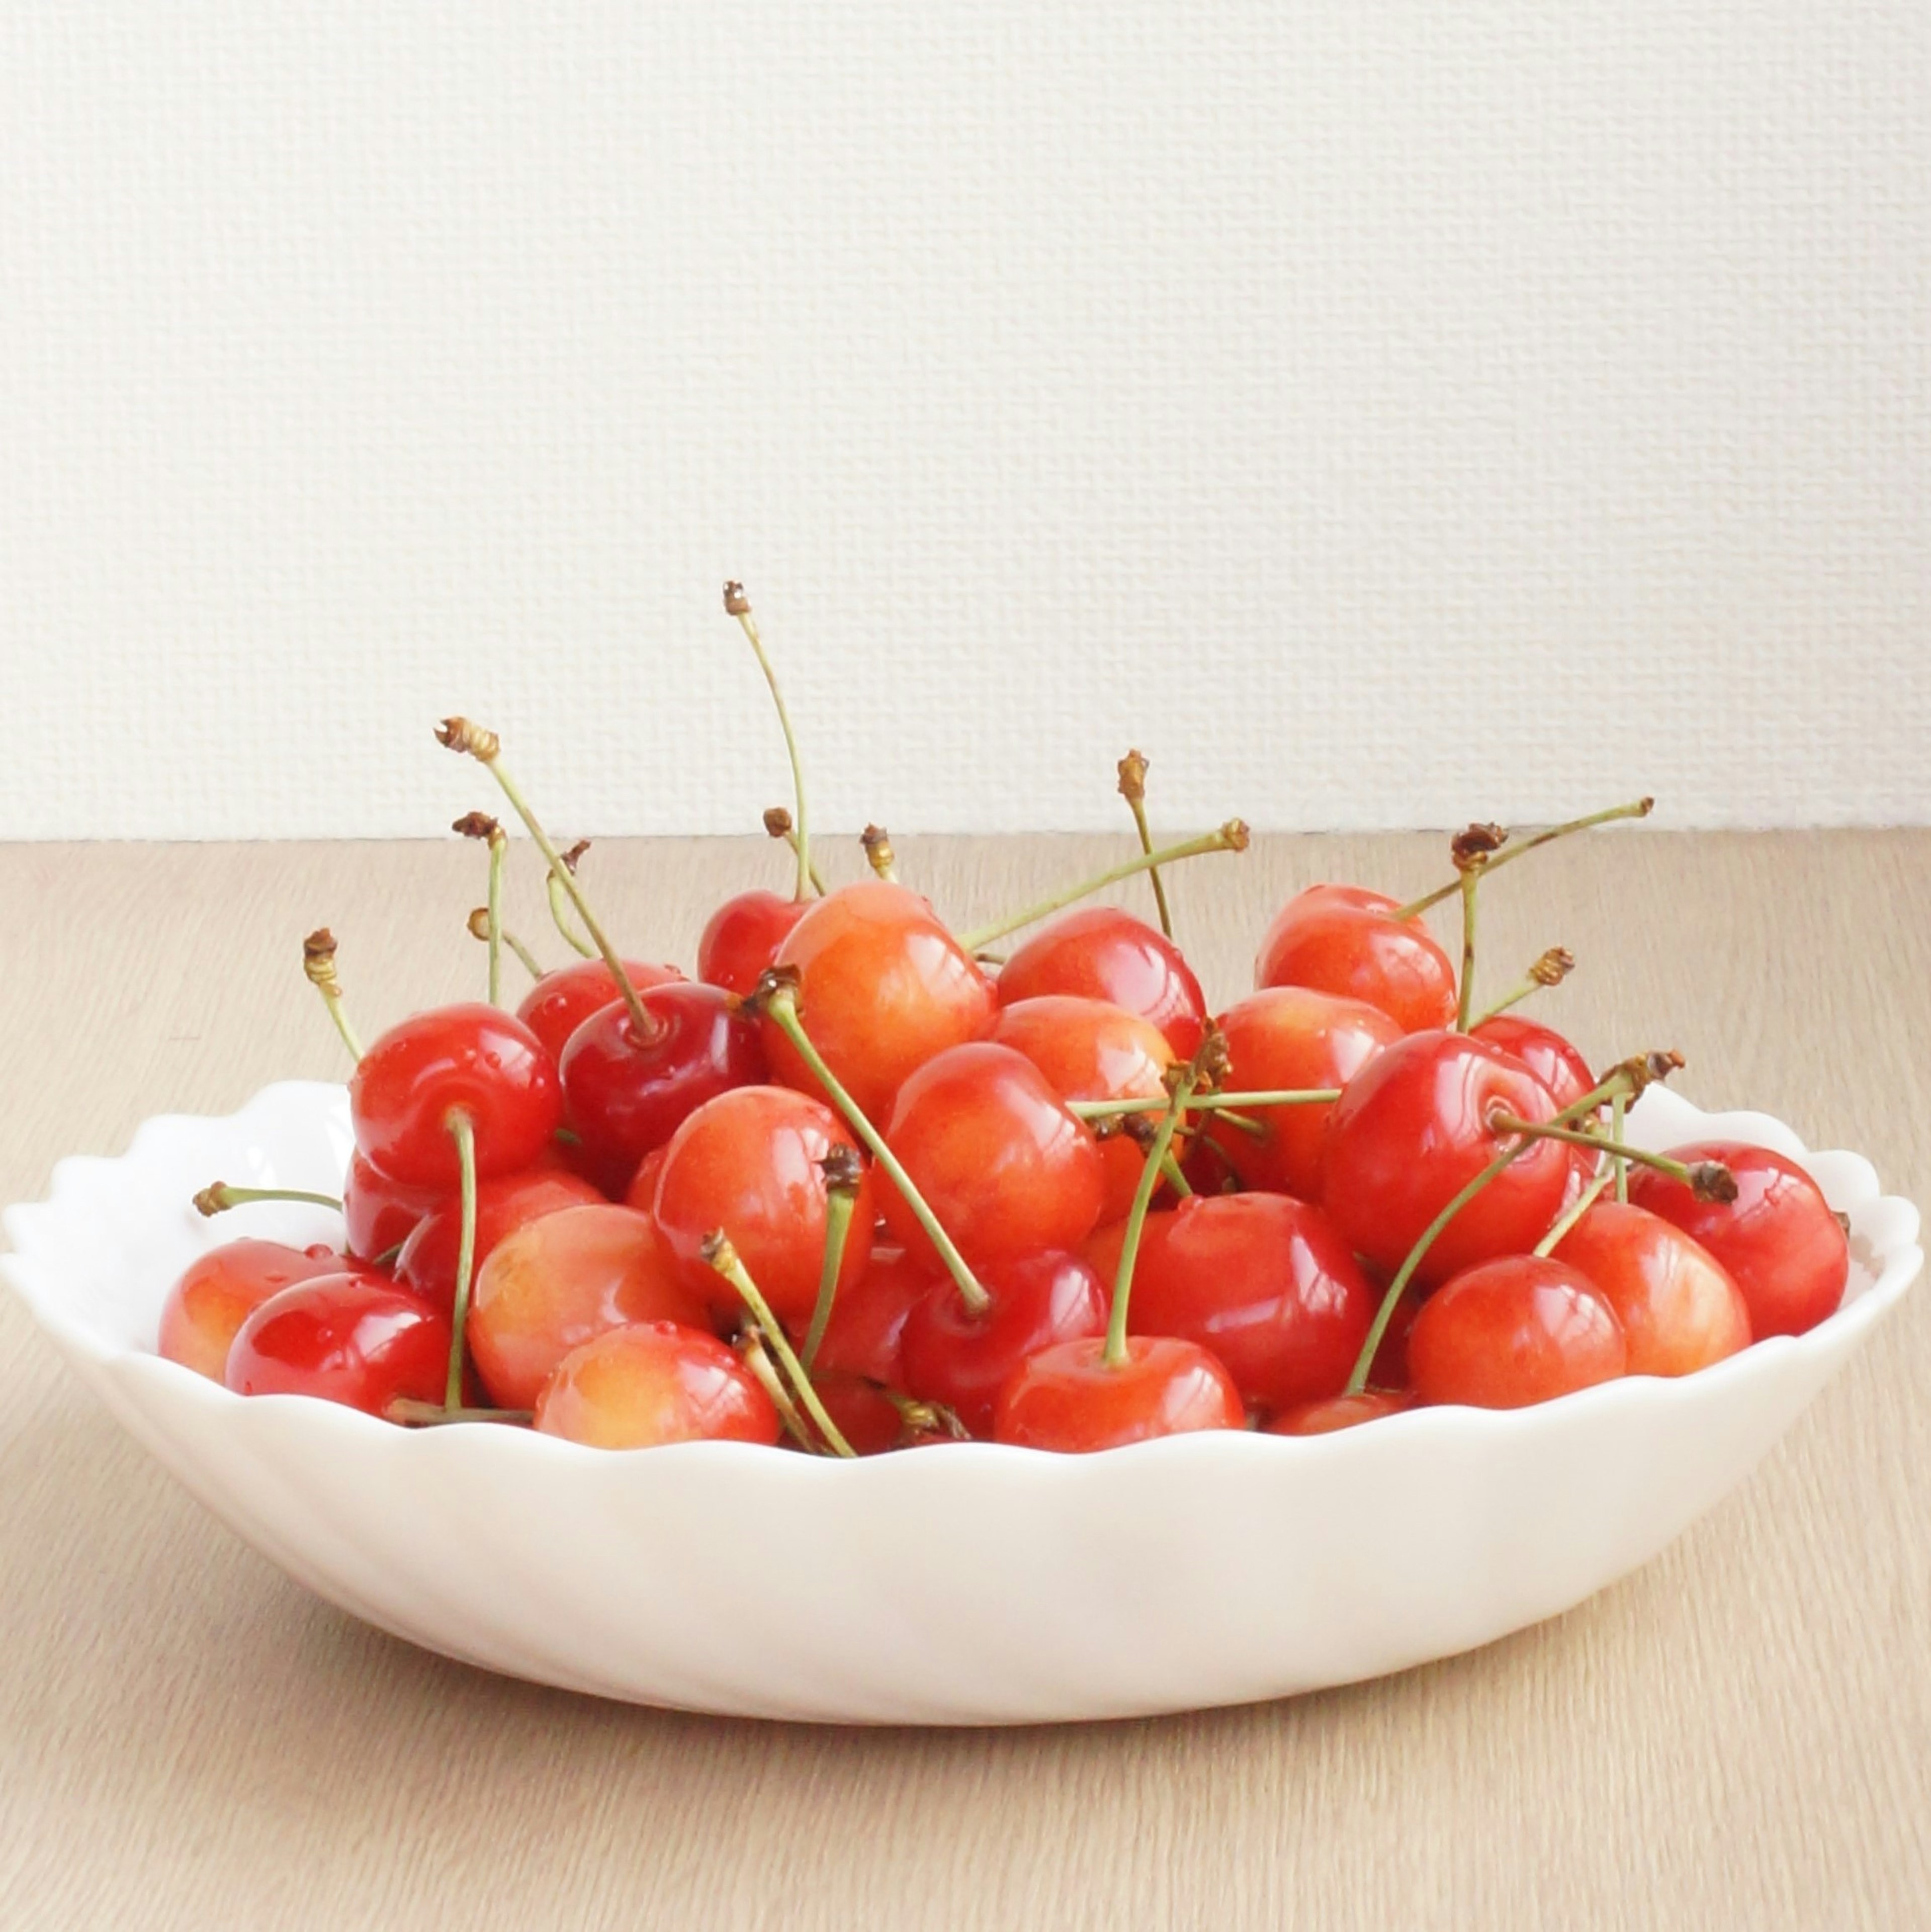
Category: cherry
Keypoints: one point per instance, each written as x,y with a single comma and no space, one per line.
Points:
651,1383
1093,1050
867,1417
472,1060
218,1291
740,940
1340,1412
380,1213
1786,1251
1412,1128
1554,1061
867,1325
1071,1399
1340,939
1005,1168
1287,1038
629,1091
1679,1309
1524,1329
1100,952
353,1337
504,1203
952,1356
882,987
561,1001
641,1194
747,1162
557,1281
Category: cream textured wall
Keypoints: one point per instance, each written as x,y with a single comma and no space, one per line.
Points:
1382,413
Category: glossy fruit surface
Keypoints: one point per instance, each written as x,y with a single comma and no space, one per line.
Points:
883,987
1340,1411
557,1283
1263,1282
741,938
867,1325
1068,1398
504,1203
1007,1170
1785,1249
1679,1309
355,1338
380,1213
1293,1038
1554,1061
473,1059
1412,1128
866,1416
563,1000
747,1162
950,1355
1340,939
640,1387
217,1291
1100,952
1512,1332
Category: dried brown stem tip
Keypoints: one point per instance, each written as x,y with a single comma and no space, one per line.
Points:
774,980
1645,1069
843,1170
736,604
777,821
212,1200
1133,770
477,825
1553,967
478,923
877,844
459,734
570,858
1208,1069
1711,1180
318,959
1235,835
1472,850
716,1251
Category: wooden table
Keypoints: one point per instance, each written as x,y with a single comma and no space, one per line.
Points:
1738,1735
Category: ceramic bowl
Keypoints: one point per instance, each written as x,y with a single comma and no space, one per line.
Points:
965,1584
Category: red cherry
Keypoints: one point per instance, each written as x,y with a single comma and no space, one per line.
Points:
1340,1412
740,942
220,1290
747,1162
867,1324
1512,1332
1100,952
1292,1037
557,1281
866,1416
952,1356
641,1194
1411,1129
639,1387
1005,1167
561,1001
1339,939
1069,1398
1554,1061
883,987
352,1337
1783,1247
504,1203
1093,1050
1679,1309
380,1213
627,1095
475,1059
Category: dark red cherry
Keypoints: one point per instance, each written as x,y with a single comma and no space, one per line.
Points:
1340,939
1100,952
378,1213
740,942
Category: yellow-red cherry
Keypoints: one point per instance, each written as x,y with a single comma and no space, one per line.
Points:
649,1384
504,1203
1342,939
740,941
1069,1398
1100,952
217,1291
1514,1331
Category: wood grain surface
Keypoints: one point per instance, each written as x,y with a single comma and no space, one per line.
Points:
1738,1736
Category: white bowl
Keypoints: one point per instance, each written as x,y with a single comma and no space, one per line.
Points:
969,1583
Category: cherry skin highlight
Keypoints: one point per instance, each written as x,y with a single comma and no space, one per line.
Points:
1412,1128
952,1356
358,1339
1513,1332
1093,1050
1554,1061
867,1329
640,1387
217,1291
740,941
1100,952
882,987
1005,1167
747,1162
557,1283
1294,1038
561,1001
380,1213
475,1059
1340,939
504,1203
1070,1399
1781,1243
1340,1411
1263,1282
1679,1309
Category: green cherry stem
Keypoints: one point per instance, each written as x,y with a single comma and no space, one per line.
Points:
413,1415
756,1357
1132,770
1157,1155
559,917
219,1198
1708,1180
1639,808
1279,1096
1583,1202
480,825
1553,967
479,929
778,825
1231,837
842,1175
1470,851
1618,1107
1170,1169
737,605
318,962
463,1133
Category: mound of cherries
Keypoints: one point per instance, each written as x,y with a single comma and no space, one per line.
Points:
860,1183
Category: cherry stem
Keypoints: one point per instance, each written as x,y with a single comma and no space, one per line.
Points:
1157,1155
318,962
1464,1000
1231,837
413,1415
1583,1202
841,1196
1132,770
737,605
778,825
495,936
721,1255
1170,1169
560,918
1707,1178
479,929
1553,967
1639,808
780,1000
1618,1105
464,1132
879,854
752,1351
218,1199
1280,1096
915,1414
